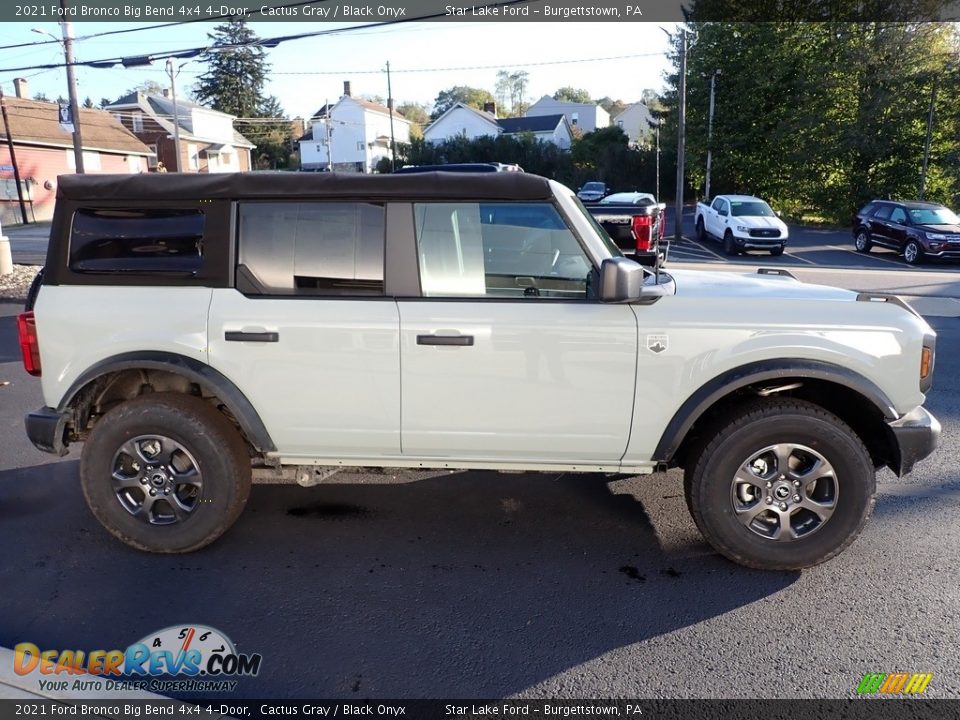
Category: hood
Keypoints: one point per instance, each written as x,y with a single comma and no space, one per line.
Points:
758,221
941,229
703,283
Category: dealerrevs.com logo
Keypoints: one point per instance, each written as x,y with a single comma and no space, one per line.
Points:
900,683
185,651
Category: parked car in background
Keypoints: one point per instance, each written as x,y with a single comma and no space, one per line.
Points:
462,167
918,230
629,198
635,222
593,191
741,223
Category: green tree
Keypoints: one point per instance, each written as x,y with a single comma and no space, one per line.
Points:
234,84
572,94
446,99
417,115
42,97
88,102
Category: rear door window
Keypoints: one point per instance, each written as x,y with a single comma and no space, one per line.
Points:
883,212
311,248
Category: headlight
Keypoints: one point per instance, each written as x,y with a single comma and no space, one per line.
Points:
742,228
935,236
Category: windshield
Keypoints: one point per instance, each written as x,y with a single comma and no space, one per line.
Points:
933,216
593,187
607,241
752,208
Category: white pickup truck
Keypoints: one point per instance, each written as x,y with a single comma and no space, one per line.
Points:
741,223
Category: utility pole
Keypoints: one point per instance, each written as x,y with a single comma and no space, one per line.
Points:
327,130
681,135
657,191
713,84
176,115
67,28
393,144
13,158
926,148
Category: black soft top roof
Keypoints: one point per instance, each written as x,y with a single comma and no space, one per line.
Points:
286,185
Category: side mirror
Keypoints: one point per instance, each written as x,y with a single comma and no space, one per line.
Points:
621,280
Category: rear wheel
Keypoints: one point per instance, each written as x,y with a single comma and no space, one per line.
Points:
165,473
784,485
913,253
862,241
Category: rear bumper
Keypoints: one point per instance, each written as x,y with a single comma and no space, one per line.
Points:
46,429
916,434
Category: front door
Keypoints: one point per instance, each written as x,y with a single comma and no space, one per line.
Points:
507,357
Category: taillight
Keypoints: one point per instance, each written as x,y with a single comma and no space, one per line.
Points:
29,347
641,231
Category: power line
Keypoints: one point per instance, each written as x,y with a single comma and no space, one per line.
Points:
158,26
273,42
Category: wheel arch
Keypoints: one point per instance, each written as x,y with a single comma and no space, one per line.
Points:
129,375
853,398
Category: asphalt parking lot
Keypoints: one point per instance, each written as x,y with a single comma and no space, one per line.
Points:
477,584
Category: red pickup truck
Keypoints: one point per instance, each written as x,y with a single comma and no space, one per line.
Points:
635,221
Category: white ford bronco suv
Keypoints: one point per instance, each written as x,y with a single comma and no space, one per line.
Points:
198,332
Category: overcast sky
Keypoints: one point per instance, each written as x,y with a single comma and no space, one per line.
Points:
304,73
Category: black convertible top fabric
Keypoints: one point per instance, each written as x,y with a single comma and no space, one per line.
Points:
288,185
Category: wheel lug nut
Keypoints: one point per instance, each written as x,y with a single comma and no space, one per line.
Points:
769,500
796,498
783,506
783,477
796,483
153,493
143,481
769,484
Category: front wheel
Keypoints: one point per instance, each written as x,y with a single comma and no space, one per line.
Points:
165,473
777,251
784,485
728,245
701,231
913,253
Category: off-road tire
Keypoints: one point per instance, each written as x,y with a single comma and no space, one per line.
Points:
713,465
221,458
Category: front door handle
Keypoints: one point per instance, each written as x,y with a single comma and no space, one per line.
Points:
462,340
241,336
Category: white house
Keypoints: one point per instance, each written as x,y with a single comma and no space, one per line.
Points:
469,122
358,132
208,141
635,121
463,120
545,128
586,116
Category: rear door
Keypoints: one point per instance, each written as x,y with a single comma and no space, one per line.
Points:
506,357
879,224
308,334
897,228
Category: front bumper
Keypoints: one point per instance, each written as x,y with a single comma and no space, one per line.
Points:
916,435
46,429
756,243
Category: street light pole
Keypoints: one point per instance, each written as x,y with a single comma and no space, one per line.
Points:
713,86
67,28
176,115
681,136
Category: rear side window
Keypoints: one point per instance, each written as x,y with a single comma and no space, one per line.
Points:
311,248
867,209
139,241
883,212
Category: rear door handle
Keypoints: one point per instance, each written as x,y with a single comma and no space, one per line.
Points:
462,340
241,336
